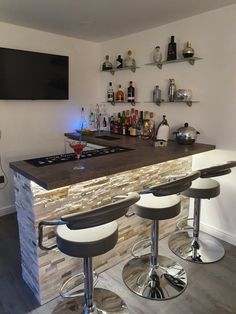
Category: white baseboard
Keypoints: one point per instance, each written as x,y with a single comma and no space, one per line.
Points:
7,210
220,234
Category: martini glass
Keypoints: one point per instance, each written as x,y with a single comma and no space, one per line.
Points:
78,147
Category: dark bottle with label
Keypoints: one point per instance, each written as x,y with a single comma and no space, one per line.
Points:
140,124
131,93
171,55
119,62
112,124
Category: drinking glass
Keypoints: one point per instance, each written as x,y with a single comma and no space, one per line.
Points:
78,147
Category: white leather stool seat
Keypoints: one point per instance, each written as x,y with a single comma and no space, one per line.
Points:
203,188
87,242
157,207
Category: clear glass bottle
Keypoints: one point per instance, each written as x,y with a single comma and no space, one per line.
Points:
171,54
107,65
157,95
91,119
120,96
129,60
131,93
157,55
83,121
151,125
110,94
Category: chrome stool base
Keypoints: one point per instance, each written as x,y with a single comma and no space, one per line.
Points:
210,250
162,282
105,302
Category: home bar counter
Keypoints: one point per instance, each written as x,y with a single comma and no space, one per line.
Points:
47,193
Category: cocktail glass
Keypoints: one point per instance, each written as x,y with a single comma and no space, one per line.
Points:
78,147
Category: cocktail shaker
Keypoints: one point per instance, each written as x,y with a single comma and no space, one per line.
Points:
172,90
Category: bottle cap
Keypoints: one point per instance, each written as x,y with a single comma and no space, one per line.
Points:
119,85
131,82
110,83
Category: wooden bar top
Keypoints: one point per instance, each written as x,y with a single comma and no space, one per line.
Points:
143,154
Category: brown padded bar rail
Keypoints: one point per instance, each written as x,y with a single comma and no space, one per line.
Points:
174,187
101,215
216,171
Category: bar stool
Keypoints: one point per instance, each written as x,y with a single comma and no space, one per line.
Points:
190,244
154,276
85,235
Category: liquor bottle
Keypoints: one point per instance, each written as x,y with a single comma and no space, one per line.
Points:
107,65
91,120
140,124
151,125
120,96
116,124
129,60
119,62
112,124
133,127
131,93
110,94
157,55
172,90
122,124
157,95
146,133
104,123
171,54
188,51
83,121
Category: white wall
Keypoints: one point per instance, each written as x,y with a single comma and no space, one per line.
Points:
31,128
212,81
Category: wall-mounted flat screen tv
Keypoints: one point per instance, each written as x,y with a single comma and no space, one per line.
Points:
33,75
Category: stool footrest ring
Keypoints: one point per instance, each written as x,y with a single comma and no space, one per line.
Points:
180,223
74,291
148,243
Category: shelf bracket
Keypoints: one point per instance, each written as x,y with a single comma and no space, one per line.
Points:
189,103
191,61
133,69
159,65
112,72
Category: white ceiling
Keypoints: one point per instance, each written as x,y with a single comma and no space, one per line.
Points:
100,20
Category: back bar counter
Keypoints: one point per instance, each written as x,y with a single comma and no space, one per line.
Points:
46,193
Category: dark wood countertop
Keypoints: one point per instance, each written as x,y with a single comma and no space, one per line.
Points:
144,154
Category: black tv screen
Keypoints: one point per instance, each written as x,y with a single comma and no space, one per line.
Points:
33,75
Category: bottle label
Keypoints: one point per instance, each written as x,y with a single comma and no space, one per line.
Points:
110,97
130,94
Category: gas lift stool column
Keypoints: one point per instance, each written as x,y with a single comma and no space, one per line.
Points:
153,276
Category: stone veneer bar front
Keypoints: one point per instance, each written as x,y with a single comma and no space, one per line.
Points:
45,271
